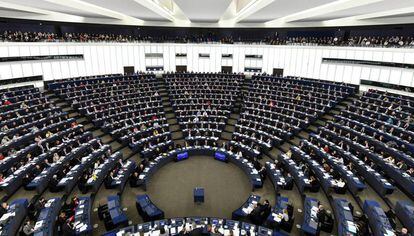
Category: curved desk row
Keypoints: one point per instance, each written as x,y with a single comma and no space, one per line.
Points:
100,173
195,225
45,223
83,225
244,210
147,209
10,222
377,218
122,176
112,213
40,182
241,162
404,210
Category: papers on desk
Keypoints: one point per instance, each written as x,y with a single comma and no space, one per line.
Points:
247,210
38,225
7,216
314,212
277,217
81,227
120,233
389,233
153,233
351,227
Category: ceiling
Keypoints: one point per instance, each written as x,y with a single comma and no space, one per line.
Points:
215,13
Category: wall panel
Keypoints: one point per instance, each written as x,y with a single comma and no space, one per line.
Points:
305,61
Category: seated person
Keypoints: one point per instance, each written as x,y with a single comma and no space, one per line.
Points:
28,228
53,184
403,232
255,215
68,229
134,180
340,186
109,179
325,219
289,182
314,184
362,226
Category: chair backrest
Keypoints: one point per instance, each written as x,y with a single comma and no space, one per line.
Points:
289,209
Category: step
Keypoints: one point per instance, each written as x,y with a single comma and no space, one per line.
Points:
73,114
320,122
126,152
67,109
235,116
274,153
97,133
303,135
116,146
172,121
106,139
229,128
231,121
170,116
136,157
62,104
82,120
295,141
226,135
88,126
312,128
174,128
177,135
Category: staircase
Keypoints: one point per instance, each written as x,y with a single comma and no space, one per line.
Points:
89,126
229,128
176,133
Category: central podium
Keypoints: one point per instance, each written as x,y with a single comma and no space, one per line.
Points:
198,195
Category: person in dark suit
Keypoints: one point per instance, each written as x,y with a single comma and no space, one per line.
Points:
289,181
61,221
109,179
255,215
321,214
53,184
362,225
40,204
68,229
82,183
265,210
134,179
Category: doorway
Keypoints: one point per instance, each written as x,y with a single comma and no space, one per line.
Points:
129,70
181,68
227,69
278,72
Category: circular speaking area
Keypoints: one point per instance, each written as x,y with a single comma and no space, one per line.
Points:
215,117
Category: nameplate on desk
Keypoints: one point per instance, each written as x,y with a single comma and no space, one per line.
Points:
182,156
220,156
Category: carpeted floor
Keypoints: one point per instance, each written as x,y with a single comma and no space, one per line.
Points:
226,186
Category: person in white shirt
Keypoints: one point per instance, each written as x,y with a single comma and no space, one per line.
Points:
285,215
